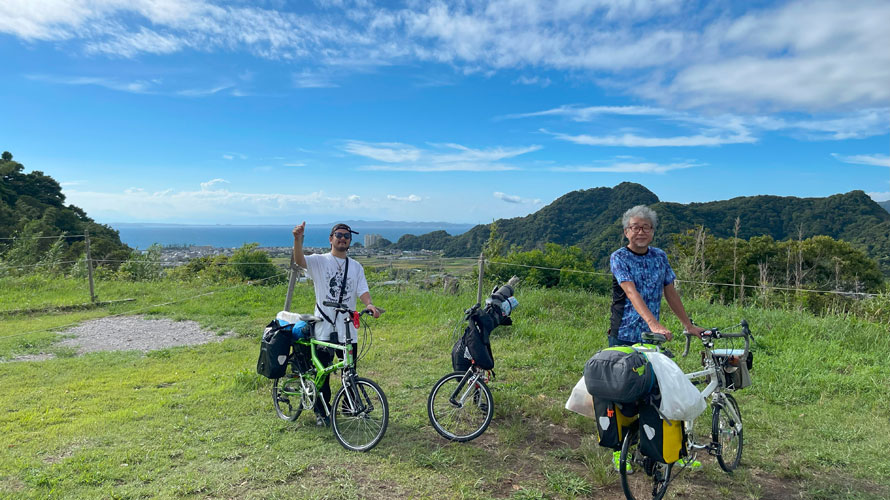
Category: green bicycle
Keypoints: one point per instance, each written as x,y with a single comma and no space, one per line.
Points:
359,413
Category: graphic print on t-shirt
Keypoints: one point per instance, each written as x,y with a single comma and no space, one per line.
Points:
334,284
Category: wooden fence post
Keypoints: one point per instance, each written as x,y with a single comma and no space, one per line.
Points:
481,274
86,235
292,272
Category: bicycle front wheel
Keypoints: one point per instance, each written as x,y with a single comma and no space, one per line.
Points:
641,477
287,396
726,431
460,413
360,416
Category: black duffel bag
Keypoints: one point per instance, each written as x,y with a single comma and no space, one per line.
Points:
619,374
275,348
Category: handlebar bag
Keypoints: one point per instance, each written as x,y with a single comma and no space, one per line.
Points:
735,369
619,374
275,348
661,440
614,421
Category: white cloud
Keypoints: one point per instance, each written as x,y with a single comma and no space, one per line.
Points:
586,114
877,196
802,55
413,198
295,164
205,204
517,200
876,160
628,168
205,186
533,80
445,158
391,152
135,87
636,141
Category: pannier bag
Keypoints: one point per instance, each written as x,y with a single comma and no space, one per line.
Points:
619,374
613,421
661,440
736,370
460,356
477,348
274,350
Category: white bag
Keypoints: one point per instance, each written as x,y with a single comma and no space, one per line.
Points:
680,400
580,401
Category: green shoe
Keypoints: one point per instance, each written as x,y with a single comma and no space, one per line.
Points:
616,460
694,465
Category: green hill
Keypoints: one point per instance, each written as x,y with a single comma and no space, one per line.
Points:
33,205
591,219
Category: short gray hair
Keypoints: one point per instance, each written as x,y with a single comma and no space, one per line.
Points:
640,212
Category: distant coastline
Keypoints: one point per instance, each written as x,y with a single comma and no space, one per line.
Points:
141,235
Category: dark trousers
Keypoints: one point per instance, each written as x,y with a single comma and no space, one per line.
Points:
615,341
326,357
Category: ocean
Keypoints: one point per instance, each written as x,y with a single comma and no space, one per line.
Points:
141,236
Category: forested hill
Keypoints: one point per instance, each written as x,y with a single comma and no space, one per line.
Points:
591,219
33,205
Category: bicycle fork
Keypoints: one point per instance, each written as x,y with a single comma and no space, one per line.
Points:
359,403
469,380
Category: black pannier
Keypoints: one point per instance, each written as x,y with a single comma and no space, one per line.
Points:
478,347
460,357
275,348
619,374
614,421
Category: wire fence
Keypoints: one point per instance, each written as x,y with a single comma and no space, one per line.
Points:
430,261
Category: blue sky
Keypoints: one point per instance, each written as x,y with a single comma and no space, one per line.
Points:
273,112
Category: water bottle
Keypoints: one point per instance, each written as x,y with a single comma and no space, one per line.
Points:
508,305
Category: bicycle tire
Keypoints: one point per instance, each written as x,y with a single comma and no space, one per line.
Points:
360,431
457,422
727,435
287,397
647,478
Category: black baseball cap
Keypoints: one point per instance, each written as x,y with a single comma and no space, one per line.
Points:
342,226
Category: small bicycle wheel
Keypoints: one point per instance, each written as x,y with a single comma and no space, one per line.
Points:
727,433
641,477
462,415
360,418
287,397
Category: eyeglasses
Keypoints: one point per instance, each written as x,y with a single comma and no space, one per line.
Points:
639,229
342,236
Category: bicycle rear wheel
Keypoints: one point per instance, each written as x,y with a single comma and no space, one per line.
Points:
360,415
727,433
460,415
287,397
641,477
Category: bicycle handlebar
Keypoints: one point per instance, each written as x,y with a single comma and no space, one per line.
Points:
343,308
717,334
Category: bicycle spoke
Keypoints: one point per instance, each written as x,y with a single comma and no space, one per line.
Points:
459,415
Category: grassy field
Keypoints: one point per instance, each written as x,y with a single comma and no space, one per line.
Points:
197,422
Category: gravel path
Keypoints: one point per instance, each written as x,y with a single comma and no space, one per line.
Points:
124,333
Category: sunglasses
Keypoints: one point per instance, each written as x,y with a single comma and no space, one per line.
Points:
342,236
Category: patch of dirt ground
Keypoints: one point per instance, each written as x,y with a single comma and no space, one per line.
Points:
125,333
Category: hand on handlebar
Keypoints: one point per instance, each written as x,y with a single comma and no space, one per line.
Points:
694,330
374,310
659,328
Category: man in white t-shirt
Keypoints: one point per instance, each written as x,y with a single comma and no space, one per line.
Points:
327,274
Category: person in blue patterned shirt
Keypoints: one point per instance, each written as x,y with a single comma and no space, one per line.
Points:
640,276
